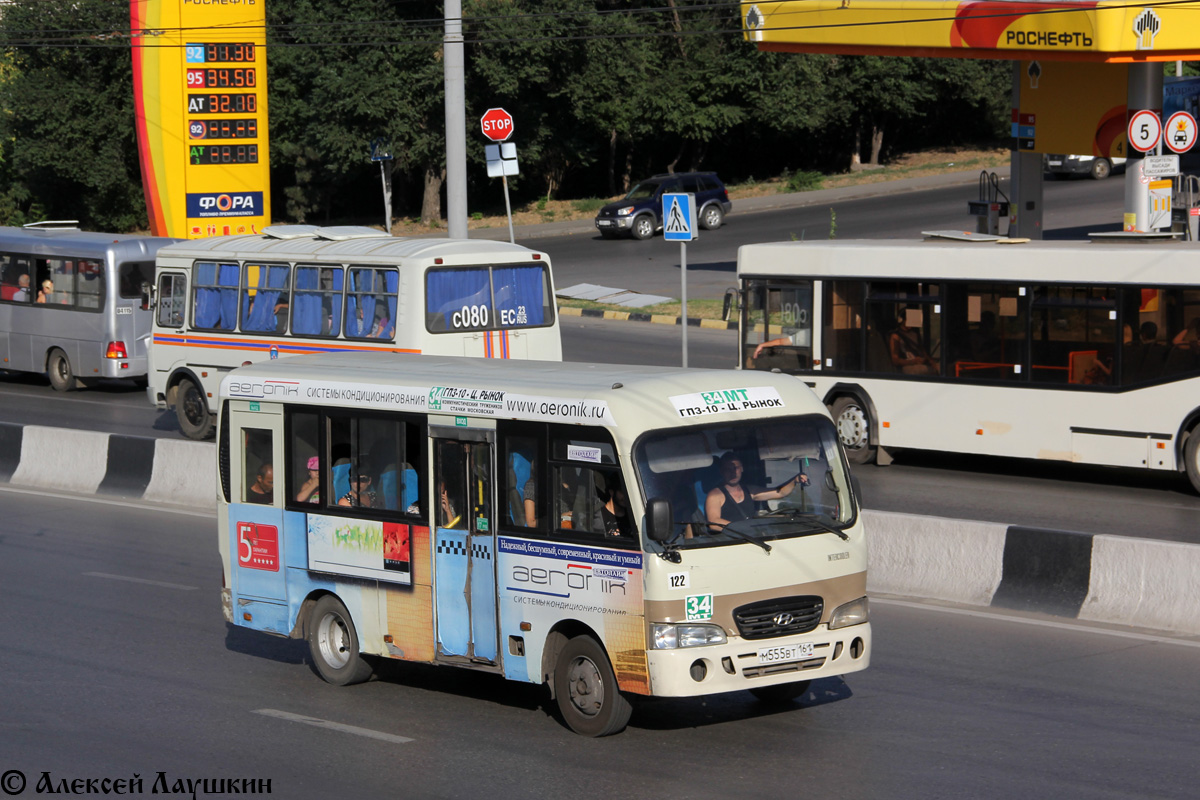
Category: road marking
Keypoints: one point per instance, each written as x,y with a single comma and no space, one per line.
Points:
333,726
163,584
86,498
1079,626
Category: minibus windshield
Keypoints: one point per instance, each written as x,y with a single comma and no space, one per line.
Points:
766,479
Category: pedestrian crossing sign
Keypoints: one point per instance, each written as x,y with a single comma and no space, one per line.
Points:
679,217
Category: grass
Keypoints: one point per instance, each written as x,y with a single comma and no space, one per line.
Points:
697,309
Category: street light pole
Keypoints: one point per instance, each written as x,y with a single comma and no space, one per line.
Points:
456,122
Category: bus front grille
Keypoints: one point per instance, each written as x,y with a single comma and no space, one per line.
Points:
781,616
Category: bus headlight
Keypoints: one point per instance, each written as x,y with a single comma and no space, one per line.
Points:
853,613
671,637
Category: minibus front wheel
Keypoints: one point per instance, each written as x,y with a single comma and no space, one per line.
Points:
586,690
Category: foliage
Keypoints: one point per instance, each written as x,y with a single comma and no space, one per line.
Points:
604,92
67,123
804,181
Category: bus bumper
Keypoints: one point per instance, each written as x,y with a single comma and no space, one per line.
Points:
136,367
736,666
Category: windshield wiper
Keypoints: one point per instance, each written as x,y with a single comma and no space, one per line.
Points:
725,528
807,516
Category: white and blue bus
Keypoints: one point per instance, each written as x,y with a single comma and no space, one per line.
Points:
230,300
551,523
71,302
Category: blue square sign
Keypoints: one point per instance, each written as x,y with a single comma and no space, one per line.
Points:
679,217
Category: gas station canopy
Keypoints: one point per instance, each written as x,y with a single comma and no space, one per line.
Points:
1106,32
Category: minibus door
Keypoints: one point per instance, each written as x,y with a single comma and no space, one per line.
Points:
255,518
464,555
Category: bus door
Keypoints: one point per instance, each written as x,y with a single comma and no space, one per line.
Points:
464,556
496,344
255,516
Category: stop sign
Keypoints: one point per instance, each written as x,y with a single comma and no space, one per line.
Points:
497,124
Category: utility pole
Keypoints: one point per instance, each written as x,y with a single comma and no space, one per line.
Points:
456,122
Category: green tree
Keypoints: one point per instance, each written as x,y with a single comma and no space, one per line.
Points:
68,125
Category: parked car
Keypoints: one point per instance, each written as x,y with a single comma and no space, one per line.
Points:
639,213
1099,168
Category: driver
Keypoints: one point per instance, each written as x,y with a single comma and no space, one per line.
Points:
732,502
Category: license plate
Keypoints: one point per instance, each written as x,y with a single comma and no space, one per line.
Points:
1056,163
791,652
604,223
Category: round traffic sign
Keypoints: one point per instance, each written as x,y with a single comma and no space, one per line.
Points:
497,124
1145,131
1180,133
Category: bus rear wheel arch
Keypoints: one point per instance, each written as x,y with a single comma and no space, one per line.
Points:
1191,457
333,644
852,418
585,688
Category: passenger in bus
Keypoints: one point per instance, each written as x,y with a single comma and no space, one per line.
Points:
1188,338
263,489
46,295
448,517
382,329
907,351
615,518
21,295
310,492
361,494
733,502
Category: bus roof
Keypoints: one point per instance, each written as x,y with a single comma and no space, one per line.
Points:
377,248
629,399
72,241
933,259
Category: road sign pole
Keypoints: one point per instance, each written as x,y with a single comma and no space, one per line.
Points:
385,172
508,210
683,295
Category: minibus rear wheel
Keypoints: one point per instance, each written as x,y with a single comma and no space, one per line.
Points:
780,693
191,409
333,644
586,690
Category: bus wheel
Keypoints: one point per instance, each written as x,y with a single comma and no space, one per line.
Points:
586,690
334,644
780,693
1191,457
191,408
58,368
854,429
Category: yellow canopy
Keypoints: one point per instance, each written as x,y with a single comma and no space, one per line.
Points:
1112,32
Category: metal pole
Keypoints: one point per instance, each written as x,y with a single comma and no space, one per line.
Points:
456,122
683,292
508,210
384,169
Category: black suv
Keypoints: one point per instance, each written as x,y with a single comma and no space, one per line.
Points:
639,213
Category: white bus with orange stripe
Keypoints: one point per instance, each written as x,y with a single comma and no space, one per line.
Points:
227,301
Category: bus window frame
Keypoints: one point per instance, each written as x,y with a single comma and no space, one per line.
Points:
549,309
244,304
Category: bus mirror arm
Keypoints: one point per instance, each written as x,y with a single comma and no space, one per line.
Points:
730,302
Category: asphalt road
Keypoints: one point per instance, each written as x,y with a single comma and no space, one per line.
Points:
117,663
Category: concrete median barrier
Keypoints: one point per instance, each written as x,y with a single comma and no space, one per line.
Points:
1120,580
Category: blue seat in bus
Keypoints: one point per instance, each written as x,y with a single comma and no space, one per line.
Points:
519,470
341,481
394,500
387,487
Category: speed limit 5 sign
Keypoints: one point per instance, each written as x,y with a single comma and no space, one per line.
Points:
1145,131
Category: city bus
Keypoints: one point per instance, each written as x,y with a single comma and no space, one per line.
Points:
1084,352
550,523
225,301
71,302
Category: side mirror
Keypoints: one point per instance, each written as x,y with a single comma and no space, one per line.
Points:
659,520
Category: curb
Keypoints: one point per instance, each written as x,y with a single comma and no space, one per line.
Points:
1143,583
661,319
